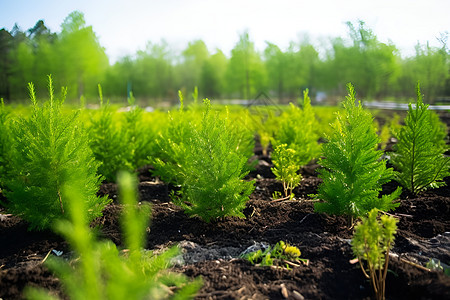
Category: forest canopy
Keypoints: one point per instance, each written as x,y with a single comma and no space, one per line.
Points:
76,59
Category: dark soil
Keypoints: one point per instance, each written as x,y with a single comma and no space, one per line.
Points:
212,250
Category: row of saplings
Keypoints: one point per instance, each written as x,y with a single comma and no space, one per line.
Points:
49,175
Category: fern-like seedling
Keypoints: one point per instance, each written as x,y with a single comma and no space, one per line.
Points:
353,172
213,171
172,146
285,169
107,141
104,272
50,149
371,244
419,153
138,135
298,130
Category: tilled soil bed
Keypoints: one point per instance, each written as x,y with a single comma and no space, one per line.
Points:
212,250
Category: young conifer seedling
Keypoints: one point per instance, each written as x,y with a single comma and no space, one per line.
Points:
285,169
104,272
107,141
213,171
49,150
419,153
171,154
298,131
371,244
138,135
353,172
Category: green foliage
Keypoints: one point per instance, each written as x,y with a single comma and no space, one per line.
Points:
170,158
285,169
125,145
298,130
371,243
430,66
5,143
156,73
245,74
173,142
212,170
435,264
104,272
419,155
138,135
240,124
83,68
384,134
352,171
195,95
208,160
265,126
49,150
280,254
188,72
393,126
212,77
107,141
368,63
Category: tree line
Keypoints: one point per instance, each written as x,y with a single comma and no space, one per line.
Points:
76,59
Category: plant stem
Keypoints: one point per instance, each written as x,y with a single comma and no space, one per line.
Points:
60,202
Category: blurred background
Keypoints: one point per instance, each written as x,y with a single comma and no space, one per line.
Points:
228,49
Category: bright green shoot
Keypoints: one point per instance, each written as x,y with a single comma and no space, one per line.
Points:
371,244
298,130
282,254
286,169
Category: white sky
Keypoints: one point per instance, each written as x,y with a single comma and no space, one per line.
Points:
126,26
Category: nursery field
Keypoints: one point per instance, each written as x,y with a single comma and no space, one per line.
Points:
212,246
212,250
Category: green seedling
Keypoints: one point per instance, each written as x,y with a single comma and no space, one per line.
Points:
138,135
353,172
281,254
371,244
107,141
50,149
286,169
213,170
101,271
172,146
419,154
435,264
298,131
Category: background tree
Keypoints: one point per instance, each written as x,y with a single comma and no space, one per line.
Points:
152,72
42,41
76,59
6,41
277,64
81,60
430,66
302,65
368,63
190,68
212,77
245,75
119,77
